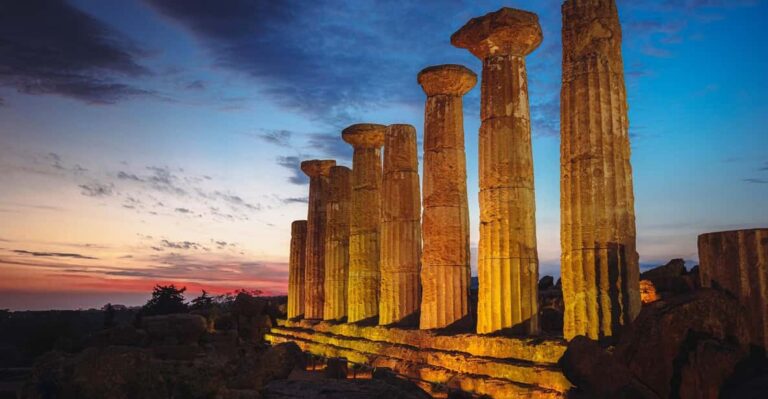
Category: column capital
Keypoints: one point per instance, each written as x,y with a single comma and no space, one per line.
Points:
508,31
317,167
299,226
448,79
364,135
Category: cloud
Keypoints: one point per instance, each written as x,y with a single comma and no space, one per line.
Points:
195,85
756,181
545,118
280,138
329,145
183,210
3,103
51,47
293,164
331,61
96,189
58,164
52,254
181,245
294,200
764,167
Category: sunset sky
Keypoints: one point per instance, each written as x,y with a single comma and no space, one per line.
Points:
158,141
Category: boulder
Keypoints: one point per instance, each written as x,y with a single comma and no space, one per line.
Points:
175,329
648,292
276,362
670,279
597,374
691,339
546,283
336,368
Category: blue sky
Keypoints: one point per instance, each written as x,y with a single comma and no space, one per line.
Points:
157,140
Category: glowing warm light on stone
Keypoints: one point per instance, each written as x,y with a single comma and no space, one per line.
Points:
337,243
445,269
296,269
314,280
508,265
599,266
400,226
365,219
648,292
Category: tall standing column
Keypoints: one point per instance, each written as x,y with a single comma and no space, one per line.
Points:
314,295
599,265
508,265
445,271
365,219
400,226
337,243
296,269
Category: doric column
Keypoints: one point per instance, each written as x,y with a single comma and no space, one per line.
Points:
365,219
507,260
599,265
314,274
337,243
445,271
738,262
296,267
400,226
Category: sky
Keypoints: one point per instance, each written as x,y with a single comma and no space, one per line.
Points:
149,142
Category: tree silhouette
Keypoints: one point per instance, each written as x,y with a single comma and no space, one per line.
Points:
166,299
204,301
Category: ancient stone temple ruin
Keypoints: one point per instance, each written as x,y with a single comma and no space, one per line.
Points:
403,283
508,264
445,272
365,220
738,262
599,265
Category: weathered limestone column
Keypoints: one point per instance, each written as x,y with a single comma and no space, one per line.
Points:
314,274
400,226
599,266
738,262
296,268
365,219
337,243
508,265
445,271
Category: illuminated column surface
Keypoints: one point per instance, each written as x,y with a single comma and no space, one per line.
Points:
445,271
296,267
599,265
337,243
507,258
364,221
400,226
314,274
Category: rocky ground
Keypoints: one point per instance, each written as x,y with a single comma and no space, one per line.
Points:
687,342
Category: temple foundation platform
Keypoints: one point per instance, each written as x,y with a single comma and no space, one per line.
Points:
499,366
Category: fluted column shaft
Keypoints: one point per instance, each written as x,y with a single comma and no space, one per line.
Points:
337,243
599,265
365,219
507,257
314,276
737,261
296,267
400,226
445,269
